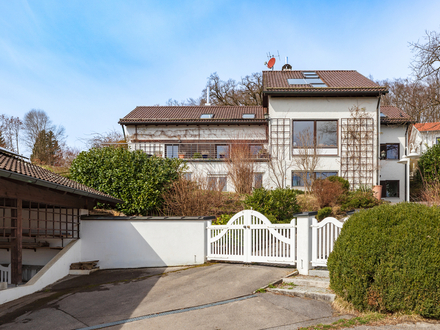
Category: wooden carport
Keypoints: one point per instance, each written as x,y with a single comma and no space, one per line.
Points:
36,204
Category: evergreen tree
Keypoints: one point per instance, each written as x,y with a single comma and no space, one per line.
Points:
46,149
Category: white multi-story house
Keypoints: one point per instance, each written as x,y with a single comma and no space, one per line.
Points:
337,111
426,135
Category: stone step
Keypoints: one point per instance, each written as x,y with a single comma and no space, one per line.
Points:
302,280
319,273
321,294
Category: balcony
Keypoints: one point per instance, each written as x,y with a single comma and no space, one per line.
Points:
205,151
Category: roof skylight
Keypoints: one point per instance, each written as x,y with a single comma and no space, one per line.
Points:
310,78
206,116
248,116
382,115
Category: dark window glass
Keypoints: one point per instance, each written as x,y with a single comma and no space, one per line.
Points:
258,180
222,183
212,183
303,133
222,151
172,151
255,149
390,188
298,179
327,133
389,151
323,175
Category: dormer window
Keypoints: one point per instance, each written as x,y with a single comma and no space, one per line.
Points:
207,116
248,116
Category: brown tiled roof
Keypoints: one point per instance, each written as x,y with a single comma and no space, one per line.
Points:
427,127
179,114
10,165
336,81
393,115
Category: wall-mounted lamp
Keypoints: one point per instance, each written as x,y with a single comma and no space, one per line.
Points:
383,154
266,116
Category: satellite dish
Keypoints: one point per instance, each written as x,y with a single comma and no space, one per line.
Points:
271,63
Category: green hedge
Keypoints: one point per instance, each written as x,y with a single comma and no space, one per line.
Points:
132,176
277,205
388,259
429,165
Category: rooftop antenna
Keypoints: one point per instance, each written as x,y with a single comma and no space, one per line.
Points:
207,96
271,60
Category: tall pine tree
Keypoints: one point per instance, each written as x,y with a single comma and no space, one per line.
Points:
46,150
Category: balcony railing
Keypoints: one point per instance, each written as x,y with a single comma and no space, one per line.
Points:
204,151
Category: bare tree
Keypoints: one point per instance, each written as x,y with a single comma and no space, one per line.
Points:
98,140
2,140
190,101
418,99
426,62
10,128
358,161
241,166
35,121
248,91
306,158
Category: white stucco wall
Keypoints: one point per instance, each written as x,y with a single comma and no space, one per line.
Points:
143,243
318,108
428,139
389,168
195,132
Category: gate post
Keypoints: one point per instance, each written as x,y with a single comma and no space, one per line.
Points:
247,235
304,241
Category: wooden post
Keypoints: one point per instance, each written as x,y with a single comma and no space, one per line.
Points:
16,250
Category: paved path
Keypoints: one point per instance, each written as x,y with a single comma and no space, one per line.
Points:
219,296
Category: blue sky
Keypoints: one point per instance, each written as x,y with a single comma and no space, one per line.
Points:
88,63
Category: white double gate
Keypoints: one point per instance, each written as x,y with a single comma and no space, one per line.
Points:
250,237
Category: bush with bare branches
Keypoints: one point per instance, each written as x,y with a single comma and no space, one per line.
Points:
240,164
327,192
194,198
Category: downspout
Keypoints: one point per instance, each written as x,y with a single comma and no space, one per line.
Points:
407,166
123,132
378,141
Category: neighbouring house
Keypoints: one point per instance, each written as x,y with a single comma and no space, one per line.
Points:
394,133
39,214
333,117
426,135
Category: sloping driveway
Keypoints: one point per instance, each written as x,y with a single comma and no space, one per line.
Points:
216,296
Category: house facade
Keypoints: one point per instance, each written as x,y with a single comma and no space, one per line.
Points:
311,124
426,135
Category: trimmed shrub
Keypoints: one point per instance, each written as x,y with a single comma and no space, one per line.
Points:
324,213
132,176
358,200
277,205
429,164
345,183
387,259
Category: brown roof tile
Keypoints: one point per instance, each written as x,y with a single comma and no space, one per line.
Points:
336,81
176,114
12,164
393,115
427,127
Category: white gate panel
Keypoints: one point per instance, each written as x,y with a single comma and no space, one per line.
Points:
250,237
324,235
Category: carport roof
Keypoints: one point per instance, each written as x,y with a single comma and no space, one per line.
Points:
14,167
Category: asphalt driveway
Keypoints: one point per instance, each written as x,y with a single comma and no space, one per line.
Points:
216,296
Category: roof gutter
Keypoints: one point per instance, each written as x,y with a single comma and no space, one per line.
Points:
324,93
47,184
143,122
